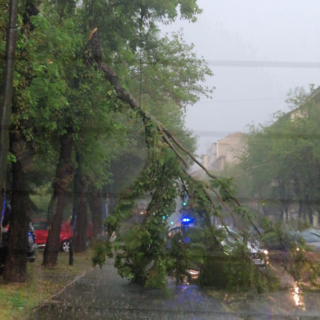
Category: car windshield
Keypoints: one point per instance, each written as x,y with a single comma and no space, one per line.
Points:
40,225
133,133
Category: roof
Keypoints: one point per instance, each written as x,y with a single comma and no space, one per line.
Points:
232,134
315,95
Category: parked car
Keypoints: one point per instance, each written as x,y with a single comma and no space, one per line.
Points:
280,243
30,250
191,233
258,254
311,237
291,237
41,232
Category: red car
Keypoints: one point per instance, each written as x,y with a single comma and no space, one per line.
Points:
41,232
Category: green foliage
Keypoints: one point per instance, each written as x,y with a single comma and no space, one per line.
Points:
180,258
302,266
11,158
170,75
59,88
41,197
100,251
282,160
235,271
143,254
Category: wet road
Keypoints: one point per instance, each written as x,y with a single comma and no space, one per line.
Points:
102,294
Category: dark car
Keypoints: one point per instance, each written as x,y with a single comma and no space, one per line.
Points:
30,250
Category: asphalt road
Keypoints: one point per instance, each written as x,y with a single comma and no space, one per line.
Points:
103,294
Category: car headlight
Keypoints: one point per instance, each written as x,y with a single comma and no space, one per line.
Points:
193,272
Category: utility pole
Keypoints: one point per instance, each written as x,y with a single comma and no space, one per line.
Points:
5,105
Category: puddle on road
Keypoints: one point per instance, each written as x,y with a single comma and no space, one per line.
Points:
298,296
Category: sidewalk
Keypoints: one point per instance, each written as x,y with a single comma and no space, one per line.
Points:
18,299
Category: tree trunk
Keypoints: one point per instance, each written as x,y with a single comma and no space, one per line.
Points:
80,235
300,212
16,261
76,180
64,175
283,201
310,214
96,208
304,215
307,210
286,209
6,101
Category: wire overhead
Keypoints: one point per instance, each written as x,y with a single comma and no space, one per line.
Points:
267,64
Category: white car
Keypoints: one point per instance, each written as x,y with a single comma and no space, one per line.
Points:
311,237
258,254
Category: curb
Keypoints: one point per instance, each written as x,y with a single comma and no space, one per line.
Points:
57,293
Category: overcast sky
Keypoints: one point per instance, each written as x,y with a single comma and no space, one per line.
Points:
269,30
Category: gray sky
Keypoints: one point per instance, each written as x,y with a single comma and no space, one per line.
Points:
272,30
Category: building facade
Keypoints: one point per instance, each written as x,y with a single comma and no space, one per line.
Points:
224,151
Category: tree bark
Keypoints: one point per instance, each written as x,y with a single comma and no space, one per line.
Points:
308,210
16,261
64,175
80,234
304,215
286,210
96,207
5,104
310,214
300,211
75,207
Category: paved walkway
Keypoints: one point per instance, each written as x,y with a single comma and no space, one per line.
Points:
103,294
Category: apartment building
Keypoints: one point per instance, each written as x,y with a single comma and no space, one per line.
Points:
223,151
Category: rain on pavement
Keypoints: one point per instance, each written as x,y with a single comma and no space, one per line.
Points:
103,294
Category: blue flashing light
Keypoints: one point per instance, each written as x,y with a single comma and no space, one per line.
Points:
187,240
186,220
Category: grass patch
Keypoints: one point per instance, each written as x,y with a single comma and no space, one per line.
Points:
18,299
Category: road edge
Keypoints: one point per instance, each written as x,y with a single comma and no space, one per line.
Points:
56,294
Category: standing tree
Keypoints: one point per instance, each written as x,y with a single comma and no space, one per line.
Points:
281,160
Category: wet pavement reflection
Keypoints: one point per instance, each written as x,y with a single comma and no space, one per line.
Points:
102,294
298,296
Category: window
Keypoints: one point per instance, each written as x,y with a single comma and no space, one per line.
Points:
40,225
